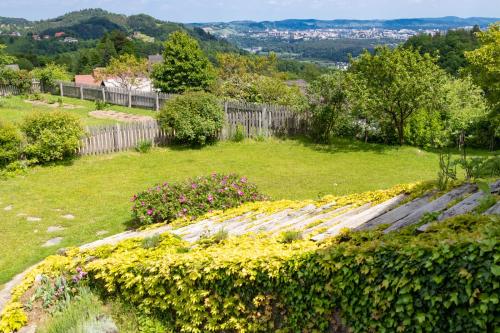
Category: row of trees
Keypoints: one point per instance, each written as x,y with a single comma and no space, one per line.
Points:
402,95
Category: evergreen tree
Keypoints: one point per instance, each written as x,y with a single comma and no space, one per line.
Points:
185,66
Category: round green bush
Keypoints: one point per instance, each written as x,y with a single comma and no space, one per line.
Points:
51,136
195,118
192,198
10,143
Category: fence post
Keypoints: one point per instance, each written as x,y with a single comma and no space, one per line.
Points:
157,101
81,92
265,121
104,95
129,98
61,89
118,138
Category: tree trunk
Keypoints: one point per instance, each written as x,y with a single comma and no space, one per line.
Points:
400,127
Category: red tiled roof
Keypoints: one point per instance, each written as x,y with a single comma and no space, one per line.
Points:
87,79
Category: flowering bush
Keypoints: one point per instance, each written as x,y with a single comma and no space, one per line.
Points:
192,198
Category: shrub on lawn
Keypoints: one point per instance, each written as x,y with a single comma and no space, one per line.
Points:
192,198
195,117
10,143
51,136
19,79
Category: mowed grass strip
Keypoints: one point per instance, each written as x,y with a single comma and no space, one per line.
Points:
97,190
16,108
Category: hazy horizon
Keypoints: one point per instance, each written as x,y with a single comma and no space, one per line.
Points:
191,11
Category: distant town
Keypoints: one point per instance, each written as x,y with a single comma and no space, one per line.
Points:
326,34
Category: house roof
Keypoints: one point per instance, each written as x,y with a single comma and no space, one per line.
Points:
14,67
87,79
155,59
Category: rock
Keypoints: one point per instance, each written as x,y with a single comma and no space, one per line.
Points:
52,242
28,329
68,217
54,229
33,219
8,208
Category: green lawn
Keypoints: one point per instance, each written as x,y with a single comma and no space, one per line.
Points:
97,190
15,108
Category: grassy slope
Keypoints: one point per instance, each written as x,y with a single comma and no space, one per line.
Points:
96,190
14,109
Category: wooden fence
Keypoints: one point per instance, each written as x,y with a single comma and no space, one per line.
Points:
117,96
11,90
254,120
119,137
264,121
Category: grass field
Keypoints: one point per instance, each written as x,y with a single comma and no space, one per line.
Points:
15,108
97,190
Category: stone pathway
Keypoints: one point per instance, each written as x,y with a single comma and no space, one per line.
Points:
52,242
53,229
120,116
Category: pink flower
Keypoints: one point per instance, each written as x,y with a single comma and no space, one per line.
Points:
150,212
240,193
193,186
134,198
244,180
182,199
210,198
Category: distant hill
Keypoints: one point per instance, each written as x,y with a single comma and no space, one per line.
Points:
442,23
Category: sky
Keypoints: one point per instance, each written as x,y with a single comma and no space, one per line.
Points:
259,10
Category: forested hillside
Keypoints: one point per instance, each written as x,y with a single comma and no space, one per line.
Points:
94,29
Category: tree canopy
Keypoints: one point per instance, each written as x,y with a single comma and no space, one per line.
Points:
397,83
185,66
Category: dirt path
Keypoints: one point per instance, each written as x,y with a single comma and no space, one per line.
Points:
120,116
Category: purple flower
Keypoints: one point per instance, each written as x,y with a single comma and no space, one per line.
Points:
244,180
210,198
240,193
182,199
150,212
142,203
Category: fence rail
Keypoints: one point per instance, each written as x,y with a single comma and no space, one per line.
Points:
254,120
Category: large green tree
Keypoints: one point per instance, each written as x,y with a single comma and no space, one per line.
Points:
329,104
395,84
484,66
5,59
185,66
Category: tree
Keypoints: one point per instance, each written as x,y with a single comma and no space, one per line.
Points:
465,106
126,70
50,74
484,66
329,104
5,59
185,67
449,46
397,83
256,88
